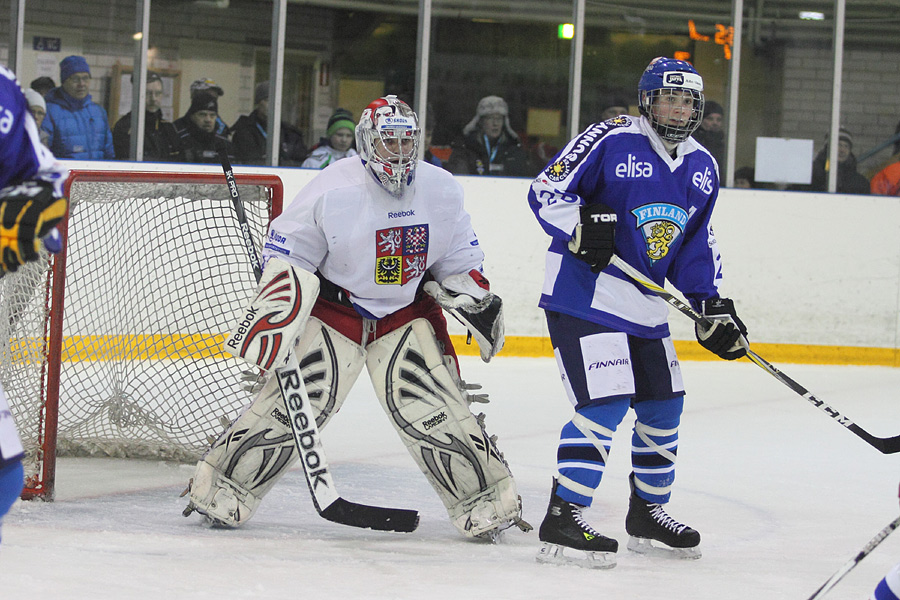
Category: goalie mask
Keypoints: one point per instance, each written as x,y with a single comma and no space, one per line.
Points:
387,138
670,95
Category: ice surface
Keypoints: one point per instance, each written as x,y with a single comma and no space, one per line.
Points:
782,495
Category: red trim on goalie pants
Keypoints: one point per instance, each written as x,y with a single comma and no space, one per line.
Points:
350,324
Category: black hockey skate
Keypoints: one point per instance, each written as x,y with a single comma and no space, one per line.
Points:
648,522
564,528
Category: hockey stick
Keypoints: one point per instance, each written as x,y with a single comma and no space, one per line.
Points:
303,423
873,543
884,445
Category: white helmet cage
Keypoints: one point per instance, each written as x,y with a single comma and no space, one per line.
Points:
383,136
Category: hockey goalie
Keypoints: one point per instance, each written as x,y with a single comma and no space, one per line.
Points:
357,270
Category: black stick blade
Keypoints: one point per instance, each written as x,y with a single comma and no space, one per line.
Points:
371,517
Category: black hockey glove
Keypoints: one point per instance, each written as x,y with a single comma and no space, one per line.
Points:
28,212
594,238
727,336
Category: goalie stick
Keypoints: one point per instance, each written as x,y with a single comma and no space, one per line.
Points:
873,543
888,445
303,422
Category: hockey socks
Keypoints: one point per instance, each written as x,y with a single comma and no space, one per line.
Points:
584,448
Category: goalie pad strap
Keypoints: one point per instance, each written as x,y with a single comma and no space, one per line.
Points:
275,317
449,444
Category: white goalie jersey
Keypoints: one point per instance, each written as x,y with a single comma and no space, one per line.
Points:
372,244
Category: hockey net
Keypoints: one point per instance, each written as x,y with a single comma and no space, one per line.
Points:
114,344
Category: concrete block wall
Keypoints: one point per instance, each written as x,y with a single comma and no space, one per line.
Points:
870,101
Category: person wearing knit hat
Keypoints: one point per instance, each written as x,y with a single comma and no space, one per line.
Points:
38,109
849,179
489,145
711,133
76,127
250,132
337,143
161,141
197,131
205,84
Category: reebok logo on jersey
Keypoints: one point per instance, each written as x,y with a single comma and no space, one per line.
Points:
632,168
401,213
703,181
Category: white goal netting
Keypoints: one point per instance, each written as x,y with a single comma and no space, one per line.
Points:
154,274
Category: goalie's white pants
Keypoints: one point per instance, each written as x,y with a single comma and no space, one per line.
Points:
421,396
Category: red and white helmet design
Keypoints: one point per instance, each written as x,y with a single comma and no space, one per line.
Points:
387,138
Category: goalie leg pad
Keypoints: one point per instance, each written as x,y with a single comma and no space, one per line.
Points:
330,363
447,442
245,462
258,447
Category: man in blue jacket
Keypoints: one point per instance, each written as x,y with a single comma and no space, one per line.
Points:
78,128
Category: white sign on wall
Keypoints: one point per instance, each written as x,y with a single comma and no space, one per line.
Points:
783,160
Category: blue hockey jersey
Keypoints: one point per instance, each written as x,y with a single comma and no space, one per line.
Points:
22,155
663,206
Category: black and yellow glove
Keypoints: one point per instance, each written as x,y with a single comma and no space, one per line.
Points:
28,212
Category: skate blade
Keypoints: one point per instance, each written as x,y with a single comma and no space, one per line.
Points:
554,554
646,547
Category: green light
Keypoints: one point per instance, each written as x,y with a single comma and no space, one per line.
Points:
566,31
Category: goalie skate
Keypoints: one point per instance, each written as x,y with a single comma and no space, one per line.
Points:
654,533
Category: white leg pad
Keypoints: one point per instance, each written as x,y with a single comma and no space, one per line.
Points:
330,363
245,462
257,449
448,443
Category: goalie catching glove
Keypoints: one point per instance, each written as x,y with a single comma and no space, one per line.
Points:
29,211
468,298
594,240
726,337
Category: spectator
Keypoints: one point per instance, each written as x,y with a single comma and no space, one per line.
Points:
76,126
206,84
160,140
337,143
887,181
42,85
615,106
711,134
745,177
489,146
38,109
196,130
849,180
249,135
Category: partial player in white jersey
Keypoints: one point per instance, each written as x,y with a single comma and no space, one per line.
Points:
380,242
641,189
31,205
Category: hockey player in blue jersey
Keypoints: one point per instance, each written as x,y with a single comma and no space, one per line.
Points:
31,205
643,189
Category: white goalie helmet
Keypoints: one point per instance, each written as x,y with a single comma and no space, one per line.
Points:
387,138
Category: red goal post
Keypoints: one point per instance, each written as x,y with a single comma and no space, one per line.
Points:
114,343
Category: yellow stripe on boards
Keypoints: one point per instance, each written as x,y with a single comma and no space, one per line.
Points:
200,346
535,347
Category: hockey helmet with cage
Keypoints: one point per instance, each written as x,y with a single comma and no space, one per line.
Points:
387,138
666,76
